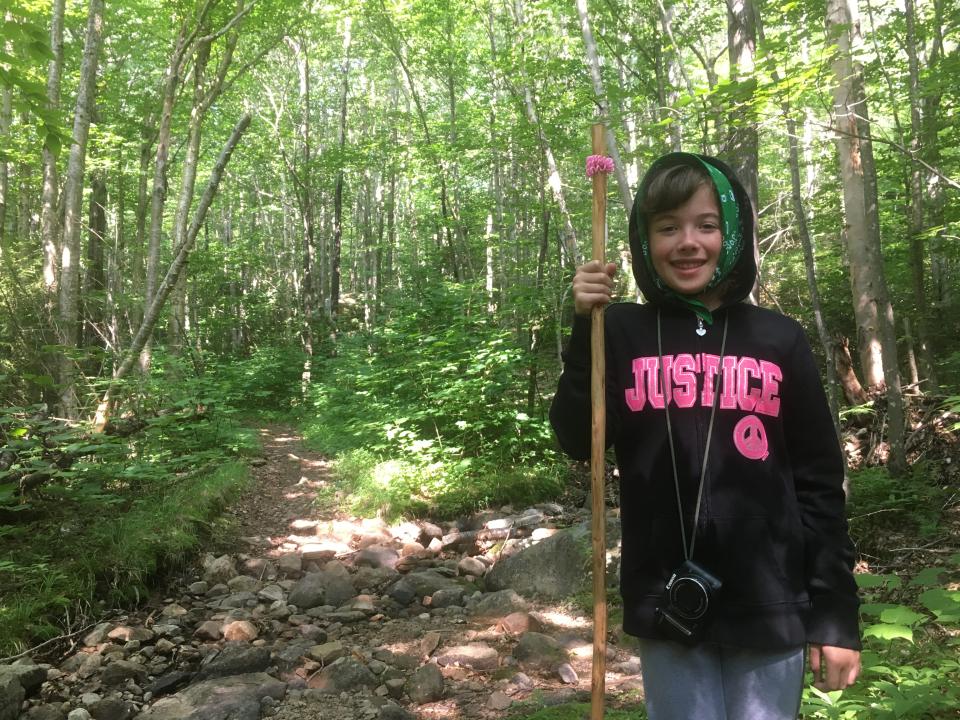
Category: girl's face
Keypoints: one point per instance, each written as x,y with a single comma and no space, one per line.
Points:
685,245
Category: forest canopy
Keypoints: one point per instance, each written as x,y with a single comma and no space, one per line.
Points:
395,147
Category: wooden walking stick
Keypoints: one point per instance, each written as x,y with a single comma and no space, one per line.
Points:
598,443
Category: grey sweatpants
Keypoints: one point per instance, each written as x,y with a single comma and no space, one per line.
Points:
718,682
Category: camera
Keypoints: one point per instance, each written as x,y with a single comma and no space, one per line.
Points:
687,601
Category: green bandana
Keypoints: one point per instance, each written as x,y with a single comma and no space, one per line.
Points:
730,248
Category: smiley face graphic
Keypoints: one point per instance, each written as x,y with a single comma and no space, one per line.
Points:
750,438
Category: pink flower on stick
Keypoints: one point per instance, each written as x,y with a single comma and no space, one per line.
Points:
598,163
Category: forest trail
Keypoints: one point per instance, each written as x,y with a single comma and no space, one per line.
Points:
317,614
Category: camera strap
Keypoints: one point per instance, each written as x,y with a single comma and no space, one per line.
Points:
688,554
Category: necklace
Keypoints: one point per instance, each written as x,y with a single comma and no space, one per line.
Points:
701,330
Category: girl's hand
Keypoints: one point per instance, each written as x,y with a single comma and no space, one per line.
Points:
834,668
592,286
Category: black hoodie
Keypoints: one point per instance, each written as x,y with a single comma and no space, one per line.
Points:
771,525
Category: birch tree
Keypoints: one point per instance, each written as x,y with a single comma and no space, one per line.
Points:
73,195
333,300
568,235
164,288
917,224
744,143
876,338
593,63
48,203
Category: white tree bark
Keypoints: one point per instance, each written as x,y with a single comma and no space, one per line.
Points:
6,119
48,203
72,197
917,219
173,272
569,235
176,328
593,62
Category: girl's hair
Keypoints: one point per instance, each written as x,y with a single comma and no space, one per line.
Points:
672,187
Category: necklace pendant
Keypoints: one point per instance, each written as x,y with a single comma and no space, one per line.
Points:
701,330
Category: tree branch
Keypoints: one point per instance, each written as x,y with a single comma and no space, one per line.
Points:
229,26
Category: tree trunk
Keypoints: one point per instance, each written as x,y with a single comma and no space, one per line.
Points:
911,355
395,43
49,229
593,63
176,327
917,224
158,195
95,280
571,248
150,317
310,292
136,269
743,141
458,226
853,391
809,261
494,234
117,267
73,195
874,314
336,248
943,282
6,119
670,76
26,190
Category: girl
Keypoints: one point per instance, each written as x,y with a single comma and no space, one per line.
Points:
735,553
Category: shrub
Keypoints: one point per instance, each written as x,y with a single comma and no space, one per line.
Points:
430,413
910,658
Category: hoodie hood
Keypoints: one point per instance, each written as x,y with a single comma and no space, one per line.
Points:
738,279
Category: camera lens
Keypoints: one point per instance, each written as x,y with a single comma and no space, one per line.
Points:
689,597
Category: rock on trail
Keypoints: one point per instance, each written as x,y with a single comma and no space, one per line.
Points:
323,615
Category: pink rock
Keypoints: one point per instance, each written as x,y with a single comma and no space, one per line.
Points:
240,630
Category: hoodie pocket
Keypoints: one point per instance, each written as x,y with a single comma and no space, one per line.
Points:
755,566
647,552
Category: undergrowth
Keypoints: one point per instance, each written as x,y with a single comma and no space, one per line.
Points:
115,510
910,619
574,711
429,414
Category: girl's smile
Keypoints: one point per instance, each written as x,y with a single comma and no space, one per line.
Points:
685,245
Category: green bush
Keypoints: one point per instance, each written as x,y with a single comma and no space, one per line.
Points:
881,505
267,381
911,656
430,413
113,511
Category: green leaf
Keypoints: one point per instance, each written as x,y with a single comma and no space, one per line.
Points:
830,698
874,609
927,576
887,631
868,580
901,615
945,604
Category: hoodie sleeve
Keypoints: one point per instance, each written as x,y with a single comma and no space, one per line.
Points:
571,411
818,472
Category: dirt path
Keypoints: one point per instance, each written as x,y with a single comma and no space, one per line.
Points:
284,495
316,614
